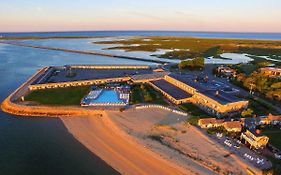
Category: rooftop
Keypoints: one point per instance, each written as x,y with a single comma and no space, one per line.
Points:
205,121
208,88
221,97
253,131
55,75
188,79
233,124
170,89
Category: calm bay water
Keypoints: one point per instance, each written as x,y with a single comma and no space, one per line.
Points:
43,145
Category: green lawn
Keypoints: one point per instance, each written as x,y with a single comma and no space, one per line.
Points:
146,94
274,134
193,110
195,113
60,96
260,107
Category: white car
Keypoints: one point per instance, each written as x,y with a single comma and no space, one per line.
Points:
219,135
236,146
277,156
227,142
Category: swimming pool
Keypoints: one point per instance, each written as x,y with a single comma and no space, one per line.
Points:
107,96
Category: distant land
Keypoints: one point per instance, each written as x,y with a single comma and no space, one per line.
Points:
233,35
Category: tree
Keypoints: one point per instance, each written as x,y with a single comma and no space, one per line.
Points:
264,64
198,62
247,112
241,77
276,85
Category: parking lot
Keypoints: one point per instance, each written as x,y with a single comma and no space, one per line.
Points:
236,147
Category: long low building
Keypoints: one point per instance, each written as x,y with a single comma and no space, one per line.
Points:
83,75
176,87
205,95
173,93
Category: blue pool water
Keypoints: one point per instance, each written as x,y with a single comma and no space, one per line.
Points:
107,96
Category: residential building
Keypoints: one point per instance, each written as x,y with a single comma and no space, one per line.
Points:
254,139
210,122
271,71
232,126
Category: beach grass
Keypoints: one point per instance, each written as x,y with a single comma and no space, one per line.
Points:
60,96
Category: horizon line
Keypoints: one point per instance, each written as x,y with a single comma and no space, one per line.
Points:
196,31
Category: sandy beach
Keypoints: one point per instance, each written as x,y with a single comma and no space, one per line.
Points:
101,136
122,140
181,143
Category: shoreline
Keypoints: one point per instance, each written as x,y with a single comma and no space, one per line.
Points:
99,134
11,104
99,131
71,115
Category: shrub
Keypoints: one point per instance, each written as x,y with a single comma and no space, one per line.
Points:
247,112
194,63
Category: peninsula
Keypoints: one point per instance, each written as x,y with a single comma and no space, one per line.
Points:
114,101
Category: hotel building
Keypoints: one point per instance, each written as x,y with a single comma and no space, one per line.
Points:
212,100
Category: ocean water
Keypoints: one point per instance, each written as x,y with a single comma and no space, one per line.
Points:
32,146
261,36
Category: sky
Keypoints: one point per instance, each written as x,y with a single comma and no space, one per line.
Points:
168,15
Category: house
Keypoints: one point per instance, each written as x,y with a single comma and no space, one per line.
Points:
232,126
270,119
274,119
254,139
227,71
271,71
263,120
210,122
